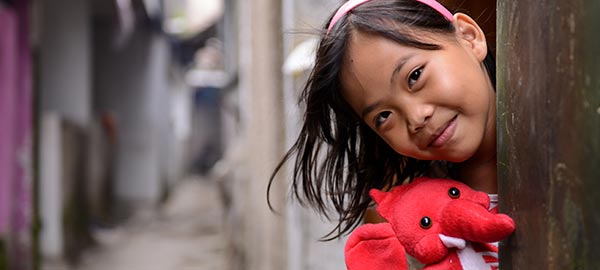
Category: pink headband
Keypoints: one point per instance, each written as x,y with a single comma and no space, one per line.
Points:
345,8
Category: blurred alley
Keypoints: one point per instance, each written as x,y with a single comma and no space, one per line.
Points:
141,134
184,233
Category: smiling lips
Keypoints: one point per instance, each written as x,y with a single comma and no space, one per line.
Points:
445,135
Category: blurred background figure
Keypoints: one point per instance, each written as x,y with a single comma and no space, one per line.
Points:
141,134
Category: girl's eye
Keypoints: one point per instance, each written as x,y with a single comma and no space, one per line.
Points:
381,118
414,77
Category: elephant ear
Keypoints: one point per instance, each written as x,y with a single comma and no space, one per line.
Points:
378,196
381,198
386,201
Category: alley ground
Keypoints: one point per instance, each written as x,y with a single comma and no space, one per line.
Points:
185,234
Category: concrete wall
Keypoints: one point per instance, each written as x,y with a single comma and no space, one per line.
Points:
260,68
131,82
256,236
65,59
51,195
65,93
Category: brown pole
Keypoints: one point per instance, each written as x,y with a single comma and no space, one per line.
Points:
549,132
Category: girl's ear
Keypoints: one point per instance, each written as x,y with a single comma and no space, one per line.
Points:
470,34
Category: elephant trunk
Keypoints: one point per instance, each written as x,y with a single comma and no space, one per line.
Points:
470,221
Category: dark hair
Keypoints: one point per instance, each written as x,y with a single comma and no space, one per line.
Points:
338,158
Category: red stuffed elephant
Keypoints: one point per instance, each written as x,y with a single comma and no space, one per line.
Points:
442,223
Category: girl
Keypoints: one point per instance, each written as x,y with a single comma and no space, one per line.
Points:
400,88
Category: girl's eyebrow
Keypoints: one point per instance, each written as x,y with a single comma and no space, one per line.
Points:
399,66
370,108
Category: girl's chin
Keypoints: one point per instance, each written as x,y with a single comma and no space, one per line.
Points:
455,157
448,155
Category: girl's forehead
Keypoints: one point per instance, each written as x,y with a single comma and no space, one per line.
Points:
376,50
362,38
369,55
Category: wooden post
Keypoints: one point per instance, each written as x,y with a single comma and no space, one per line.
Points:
549,132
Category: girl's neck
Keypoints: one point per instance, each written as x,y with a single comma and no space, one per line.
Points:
479,174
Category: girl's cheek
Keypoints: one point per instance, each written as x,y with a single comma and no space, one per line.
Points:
401,144
392,127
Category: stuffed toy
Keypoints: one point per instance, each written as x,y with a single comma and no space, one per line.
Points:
442,223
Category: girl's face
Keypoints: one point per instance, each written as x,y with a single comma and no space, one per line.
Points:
426,104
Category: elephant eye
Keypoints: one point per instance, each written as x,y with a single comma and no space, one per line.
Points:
454,193
425,222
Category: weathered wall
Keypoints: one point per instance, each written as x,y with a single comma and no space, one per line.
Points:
549,125
261,109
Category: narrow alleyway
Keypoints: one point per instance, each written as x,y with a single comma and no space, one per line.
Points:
185,234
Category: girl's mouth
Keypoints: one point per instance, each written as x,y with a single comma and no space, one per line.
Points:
446,134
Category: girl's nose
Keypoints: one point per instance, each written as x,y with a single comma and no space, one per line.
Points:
418,116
